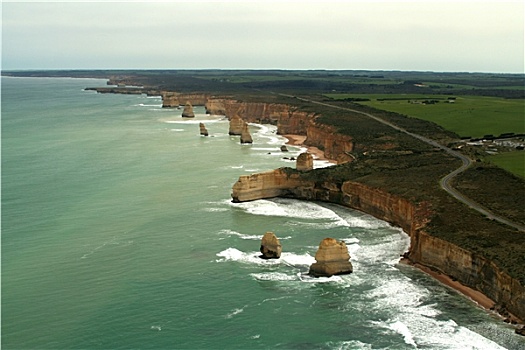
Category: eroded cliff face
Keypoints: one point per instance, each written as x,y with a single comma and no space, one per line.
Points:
175,99
289,120
468,268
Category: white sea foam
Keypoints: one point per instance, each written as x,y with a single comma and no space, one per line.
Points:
349,345
177,130
291,209
273,276
236,312
402,329
253,257
245,236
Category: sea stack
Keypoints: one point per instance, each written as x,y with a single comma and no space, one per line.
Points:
188,111
270,246
305,161
246,137
203,130
236,124
332,258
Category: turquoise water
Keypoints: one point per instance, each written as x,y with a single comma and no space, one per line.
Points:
118,232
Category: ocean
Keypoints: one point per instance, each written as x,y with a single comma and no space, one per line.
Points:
118,232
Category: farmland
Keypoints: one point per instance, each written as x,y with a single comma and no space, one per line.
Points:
467,116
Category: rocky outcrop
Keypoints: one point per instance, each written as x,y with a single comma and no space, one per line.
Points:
188,111
305,161
203,130
469,268
274,183
332,258
172,99
284,148
335,146
236,125
289,120
270,246
246,137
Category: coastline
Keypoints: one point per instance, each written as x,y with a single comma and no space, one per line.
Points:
477,297
298,140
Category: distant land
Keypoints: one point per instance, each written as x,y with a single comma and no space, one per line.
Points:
439,154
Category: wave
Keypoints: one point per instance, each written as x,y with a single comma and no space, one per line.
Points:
247,237
291,209
253,257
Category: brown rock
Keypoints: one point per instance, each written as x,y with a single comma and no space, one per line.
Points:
270,246
203,130
305,161
332,258
188,111
246,137
236,125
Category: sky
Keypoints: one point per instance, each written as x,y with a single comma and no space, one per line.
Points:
441,36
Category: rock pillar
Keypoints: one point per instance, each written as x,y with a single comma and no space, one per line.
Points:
270,246
332,258
203,130
305,161
188,111
246,137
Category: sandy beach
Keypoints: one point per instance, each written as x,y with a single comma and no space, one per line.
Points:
298,140
479,298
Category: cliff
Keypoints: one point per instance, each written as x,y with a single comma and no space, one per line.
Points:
172,99
468,268
289,120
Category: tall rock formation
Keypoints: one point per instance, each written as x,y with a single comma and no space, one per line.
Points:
332,258
305,161
203,130
236,125
246,137
270,246
188,111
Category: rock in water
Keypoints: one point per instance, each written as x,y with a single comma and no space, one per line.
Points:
245,134
332,258
236,124
270,246
284,148
203,130
188,111
305,161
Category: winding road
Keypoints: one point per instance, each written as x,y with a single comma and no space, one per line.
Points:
445,182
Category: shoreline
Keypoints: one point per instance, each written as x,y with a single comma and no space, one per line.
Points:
477,297
298,140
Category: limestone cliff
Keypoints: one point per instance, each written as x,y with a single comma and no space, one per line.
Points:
289,120
172,99
468,268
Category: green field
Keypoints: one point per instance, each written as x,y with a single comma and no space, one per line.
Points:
513,162
473,116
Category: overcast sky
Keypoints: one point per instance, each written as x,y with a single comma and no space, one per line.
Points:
467,36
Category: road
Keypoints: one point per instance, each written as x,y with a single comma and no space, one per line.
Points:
444,182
